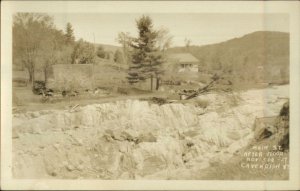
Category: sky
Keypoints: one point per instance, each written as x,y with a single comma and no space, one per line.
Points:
199,28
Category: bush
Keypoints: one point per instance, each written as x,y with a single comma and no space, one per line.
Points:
39,87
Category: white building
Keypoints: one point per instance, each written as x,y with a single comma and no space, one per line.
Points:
183,62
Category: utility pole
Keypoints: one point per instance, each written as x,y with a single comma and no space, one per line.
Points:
93,84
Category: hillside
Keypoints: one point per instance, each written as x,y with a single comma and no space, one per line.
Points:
261,56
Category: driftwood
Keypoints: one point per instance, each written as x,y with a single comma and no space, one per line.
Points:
73,108
204,89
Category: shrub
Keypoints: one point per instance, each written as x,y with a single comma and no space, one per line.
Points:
158,100
38,87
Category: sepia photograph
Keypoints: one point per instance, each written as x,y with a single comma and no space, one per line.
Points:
150,95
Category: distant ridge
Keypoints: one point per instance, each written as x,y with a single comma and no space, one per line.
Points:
249,35
242,56
261,56
108,47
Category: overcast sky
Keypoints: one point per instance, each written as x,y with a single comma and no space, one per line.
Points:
200,28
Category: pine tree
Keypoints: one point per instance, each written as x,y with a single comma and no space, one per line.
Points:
146,57
70,39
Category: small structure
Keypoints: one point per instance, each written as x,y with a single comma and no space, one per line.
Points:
183,62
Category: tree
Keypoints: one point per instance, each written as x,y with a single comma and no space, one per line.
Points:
125,40
187,43
101,52
29,31
83,53
70,39
51,51
146,57
118,57
164,39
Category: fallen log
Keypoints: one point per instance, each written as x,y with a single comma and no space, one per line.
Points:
204,89
73,108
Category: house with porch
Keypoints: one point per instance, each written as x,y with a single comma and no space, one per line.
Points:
183,62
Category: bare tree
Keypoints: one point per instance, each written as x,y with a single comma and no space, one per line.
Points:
51,51
28,33
125,40
164,39
187,44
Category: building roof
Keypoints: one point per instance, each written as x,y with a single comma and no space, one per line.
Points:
183,57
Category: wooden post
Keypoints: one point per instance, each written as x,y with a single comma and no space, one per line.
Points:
157,83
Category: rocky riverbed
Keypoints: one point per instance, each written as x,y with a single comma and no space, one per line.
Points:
135,139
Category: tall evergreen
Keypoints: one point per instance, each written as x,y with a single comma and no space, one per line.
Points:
146,57
70,39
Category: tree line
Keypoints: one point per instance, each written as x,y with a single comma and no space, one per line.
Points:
38,44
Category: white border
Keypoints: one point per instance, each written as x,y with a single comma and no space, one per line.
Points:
8,7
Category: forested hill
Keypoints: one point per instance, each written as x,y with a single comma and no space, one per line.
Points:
244,56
